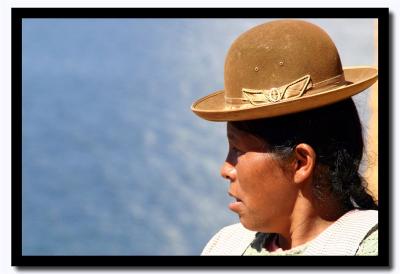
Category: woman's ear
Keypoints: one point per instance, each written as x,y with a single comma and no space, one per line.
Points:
303,163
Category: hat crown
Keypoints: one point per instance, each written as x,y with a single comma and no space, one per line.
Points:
274,54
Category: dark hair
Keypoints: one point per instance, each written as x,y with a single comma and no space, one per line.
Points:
335,133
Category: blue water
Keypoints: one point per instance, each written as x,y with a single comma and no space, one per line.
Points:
114,161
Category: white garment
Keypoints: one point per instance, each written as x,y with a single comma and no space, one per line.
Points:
230,240
343,237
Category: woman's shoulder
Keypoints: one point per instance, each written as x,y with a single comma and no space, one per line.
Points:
369,246
345,235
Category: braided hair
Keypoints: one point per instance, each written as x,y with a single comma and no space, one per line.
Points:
335,134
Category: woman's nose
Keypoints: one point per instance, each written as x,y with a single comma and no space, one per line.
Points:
228,171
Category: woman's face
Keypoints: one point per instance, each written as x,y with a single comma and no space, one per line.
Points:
264,193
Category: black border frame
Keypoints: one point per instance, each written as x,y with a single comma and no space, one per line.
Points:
382,14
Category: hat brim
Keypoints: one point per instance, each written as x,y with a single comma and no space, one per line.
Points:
213,107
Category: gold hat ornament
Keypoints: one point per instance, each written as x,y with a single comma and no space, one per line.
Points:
282,67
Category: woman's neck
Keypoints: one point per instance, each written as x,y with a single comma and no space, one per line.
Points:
307,222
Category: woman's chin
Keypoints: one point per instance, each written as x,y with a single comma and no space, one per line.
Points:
248,225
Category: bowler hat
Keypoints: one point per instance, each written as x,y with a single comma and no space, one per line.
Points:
282,67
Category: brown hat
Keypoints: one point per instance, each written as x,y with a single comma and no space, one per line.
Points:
282,67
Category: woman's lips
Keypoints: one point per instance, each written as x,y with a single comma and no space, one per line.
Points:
235,205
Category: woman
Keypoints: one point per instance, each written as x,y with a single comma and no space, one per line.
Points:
295,146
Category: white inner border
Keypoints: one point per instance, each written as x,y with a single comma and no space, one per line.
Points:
5,110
